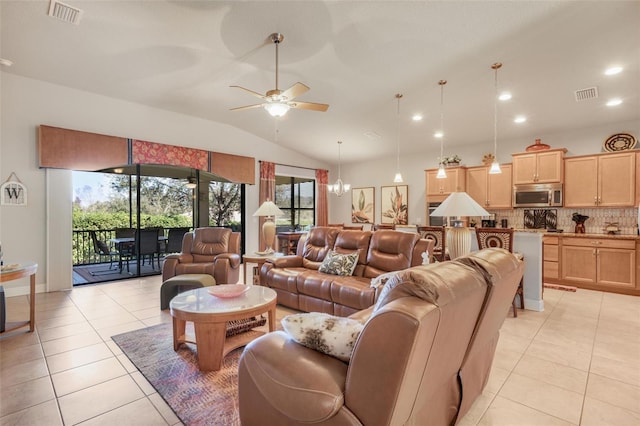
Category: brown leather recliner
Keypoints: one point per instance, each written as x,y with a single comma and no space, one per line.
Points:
414,363
213,251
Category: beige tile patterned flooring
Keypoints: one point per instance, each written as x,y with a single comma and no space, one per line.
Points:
577,363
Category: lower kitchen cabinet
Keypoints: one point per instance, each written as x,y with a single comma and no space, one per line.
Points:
598,263
550,257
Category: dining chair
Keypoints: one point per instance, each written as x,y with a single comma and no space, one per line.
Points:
379,226
439,235
353,227
501,238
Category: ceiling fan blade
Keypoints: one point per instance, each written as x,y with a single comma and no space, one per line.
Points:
294,91
246,107
309,105
256,94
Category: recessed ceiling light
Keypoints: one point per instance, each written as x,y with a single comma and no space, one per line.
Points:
614,102
520,119
438,134
5,62
613,70
504,96
417,117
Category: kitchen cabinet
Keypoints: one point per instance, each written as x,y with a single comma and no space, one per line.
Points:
550,259
538,167
599,263
605,180
490,191
454,182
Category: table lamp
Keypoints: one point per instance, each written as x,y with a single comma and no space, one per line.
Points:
269,210
459,237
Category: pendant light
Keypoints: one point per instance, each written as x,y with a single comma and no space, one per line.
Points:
442,174
398,177
495,166
339,188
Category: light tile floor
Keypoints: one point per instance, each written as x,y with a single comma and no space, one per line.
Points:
576,363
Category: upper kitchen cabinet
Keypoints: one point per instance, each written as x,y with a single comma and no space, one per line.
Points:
490,191
603,180
454,182
538,167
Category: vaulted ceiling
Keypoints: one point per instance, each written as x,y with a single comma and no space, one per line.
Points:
183,56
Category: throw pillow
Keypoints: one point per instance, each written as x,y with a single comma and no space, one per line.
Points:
335,263
335,336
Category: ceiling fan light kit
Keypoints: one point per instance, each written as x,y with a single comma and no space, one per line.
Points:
277,102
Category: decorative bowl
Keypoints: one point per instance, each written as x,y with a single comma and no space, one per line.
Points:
226,291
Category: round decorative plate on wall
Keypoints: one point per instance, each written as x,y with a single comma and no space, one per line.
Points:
619,142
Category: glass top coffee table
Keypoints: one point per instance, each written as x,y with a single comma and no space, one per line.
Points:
210,315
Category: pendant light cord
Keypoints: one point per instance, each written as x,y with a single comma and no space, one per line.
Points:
495,66
398,96
339,160
442,83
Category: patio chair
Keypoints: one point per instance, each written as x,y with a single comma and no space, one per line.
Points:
149,245
174,242
102,249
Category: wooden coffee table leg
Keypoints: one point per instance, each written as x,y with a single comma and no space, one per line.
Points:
210,342
272,318
178,332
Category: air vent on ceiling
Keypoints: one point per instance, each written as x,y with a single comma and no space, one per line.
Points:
586,94
64,12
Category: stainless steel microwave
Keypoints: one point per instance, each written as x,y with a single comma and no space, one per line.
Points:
538,195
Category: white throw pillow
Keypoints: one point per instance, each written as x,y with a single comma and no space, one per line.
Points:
335,336
335,263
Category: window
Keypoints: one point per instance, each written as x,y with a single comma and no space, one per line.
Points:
296,197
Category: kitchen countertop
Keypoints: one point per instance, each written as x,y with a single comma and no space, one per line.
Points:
546,233
612,236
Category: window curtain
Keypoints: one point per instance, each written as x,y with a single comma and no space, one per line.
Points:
322,177
267,192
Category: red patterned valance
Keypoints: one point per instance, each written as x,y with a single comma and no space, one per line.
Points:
155,153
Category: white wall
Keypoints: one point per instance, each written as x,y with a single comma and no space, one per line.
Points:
380,173
27,103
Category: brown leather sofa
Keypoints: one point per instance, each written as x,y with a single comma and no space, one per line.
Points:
301,286
213,251
416,362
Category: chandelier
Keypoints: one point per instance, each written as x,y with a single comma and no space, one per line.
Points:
339,188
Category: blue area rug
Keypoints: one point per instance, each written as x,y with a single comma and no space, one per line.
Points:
197,398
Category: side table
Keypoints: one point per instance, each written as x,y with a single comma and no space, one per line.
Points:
22,270
259,260
288,241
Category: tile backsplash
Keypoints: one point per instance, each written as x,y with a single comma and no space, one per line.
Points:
627,219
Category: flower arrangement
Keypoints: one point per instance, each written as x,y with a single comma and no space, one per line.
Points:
452,160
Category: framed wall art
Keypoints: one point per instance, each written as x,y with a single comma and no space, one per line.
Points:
363,205
394,202
13,192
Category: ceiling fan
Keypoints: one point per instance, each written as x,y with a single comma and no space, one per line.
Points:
278,102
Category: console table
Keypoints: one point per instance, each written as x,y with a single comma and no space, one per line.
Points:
18,271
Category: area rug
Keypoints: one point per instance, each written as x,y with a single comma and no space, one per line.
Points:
197,398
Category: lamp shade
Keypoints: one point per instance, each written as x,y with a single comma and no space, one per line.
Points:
459,204
268,208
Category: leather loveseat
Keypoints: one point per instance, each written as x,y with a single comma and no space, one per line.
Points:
214,251
422,358
301,286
